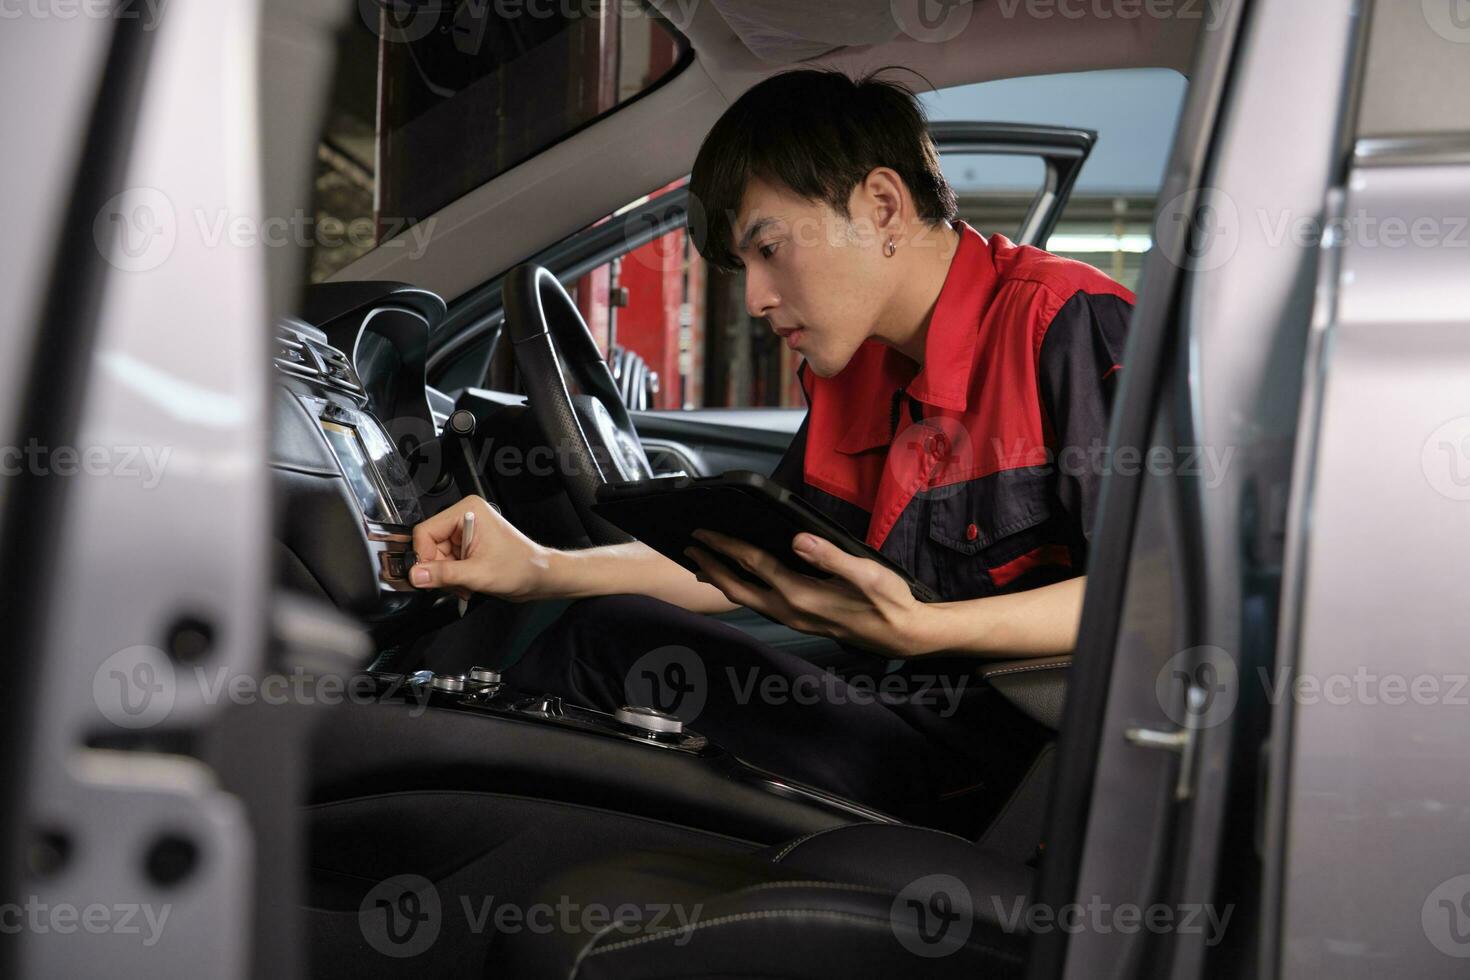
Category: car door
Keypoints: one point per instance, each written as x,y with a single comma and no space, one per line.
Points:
1163,853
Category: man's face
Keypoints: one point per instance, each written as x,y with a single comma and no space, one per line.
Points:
816,277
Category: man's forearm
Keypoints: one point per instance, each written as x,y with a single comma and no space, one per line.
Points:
1037,623
632,568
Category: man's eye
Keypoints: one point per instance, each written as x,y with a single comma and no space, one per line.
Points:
768,250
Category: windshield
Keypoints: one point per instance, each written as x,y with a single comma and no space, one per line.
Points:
432,100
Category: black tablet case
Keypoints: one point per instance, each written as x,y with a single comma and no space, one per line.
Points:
663,511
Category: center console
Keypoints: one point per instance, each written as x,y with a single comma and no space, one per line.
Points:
348,504
482,693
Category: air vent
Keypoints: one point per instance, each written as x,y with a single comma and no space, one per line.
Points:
293,357
336,368
303,354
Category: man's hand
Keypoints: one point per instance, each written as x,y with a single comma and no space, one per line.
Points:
863,603
501,562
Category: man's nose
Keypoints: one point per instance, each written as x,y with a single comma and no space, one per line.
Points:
760,295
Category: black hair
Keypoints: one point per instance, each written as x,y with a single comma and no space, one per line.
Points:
819,133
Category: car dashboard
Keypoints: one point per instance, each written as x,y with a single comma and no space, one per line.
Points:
350,411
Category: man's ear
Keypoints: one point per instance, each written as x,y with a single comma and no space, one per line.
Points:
884,201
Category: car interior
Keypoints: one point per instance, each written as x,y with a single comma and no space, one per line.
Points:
456,338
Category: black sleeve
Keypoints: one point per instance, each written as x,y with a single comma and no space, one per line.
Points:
788,473
1081,355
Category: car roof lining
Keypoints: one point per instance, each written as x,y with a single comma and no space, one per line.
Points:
652,140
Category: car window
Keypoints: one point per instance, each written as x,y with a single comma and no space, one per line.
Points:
993,191
430,101
679,333
1108,222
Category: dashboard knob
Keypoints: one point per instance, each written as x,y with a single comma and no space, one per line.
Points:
447,683
649,719
484,675
462,422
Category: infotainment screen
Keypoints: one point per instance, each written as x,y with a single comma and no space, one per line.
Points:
358,469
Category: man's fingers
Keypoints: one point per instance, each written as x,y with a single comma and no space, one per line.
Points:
761,564
442,574
431,537
825,555
714,571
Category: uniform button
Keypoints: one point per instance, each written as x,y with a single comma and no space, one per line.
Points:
971,533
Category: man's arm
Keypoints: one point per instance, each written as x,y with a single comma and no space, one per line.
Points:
1035,623
504,562
868,605
624,568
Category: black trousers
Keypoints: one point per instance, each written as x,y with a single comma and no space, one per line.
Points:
911,738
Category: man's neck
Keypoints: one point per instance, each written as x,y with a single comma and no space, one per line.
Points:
926,260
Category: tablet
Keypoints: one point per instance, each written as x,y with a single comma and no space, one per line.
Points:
663,512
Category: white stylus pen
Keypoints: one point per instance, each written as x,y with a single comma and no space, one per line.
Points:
467,535
466,538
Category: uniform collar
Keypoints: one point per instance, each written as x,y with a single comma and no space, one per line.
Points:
866,386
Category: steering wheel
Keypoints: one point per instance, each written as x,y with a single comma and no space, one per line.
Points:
592,430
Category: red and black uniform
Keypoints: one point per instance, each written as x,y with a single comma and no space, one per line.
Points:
979,471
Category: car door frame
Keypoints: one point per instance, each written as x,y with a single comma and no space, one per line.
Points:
1157,791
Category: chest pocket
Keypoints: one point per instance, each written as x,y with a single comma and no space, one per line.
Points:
986,534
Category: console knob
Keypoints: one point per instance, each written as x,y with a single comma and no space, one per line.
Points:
447,683
462,422
648,719
484,675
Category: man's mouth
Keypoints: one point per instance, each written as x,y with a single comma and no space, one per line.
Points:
791,336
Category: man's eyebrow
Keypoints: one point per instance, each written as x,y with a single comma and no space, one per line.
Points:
752,231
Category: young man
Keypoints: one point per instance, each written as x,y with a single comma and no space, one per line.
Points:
958,391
